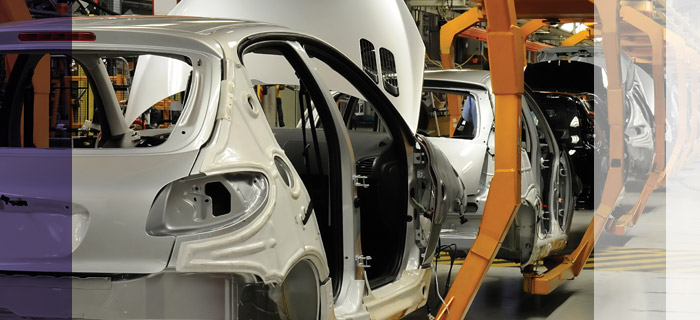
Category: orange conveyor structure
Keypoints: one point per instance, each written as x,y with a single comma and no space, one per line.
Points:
640,24
614,18
507,62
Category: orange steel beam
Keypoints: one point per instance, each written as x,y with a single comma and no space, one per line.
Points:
449,31
448,34
13,10
555,9
695,104
42,88
643,6
477,33
634,43
682,135
656,34
507,79
462,26
578,37
641,60
571,266
693,85
692,76
529,28
16,10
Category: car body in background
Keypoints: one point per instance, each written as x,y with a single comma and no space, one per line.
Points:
218,207
542,224
639,127
571,115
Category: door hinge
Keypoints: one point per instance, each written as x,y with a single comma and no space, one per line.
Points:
360,181
362,261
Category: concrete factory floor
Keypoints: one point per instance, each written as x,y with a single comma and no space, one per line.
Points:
629,281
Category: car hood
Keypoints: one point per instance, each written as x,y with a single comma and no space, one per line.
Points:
386,24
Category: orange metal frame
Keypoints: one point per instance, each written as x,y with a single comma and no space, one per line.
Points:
578,37
16,10
477,33
462,26
448,34
694,71
507,62
656,34
507,78
679,58
571,266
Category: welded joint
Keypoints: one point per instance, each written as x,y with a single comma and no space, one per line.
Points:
485,248
512,40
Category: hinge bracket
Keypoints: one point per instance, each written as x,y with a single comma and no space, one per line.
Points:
360,181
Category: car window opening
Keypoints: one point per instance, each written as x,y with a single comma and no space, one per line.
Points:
85,102
434,117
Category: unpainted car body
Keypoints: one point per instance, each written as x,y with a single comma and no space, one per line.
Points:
217,216
637,84
541,226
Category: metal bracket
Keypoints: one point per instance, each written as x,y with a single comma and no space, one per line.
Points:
362,261
360,181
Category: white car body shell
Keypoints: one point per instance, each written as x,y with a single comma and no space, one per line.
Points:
474,161
215,139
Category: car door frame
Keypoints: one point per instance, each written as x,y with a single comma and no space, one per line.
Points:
306,48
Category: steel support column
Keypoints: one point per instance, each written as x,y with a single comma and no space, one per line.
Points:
448,34
656,34
571,266
16,10
694,104
679,53
506,56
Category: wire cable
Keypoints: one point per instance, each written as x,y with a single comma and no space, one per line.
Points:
433,62
465,61
437,290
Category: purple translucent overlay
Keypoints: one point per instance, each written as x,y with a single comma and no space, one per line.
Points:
35,197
